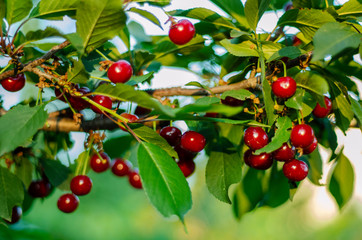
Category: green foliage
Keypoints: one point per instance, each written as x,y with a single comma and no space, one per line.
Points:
254,9
16,10
54,9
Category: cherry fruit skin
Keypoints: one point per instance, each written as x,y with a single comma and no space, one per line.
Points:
182,32
184,155
120,71
171,134
104,101
121,167
247,155
187,167
135,179
262,161
193,141
284,87
68,203
16,214
100,165
311,147
14,84
230,101
39,188
284,153
322,112
302,136
295,170
77,102
255,138
81,185
131,118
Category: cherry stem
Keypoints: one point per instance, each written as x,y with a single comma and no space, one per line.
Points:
100,53
284,68
39,98
103,79
4,69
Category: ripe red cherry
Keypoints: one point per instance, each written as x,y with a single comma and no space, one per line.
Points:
184,155
181,32
135,179
14,84
77,102
171,134
187,167
120,72
295,170
284,87
16,214
230,101
255,138
39,188
103,101
99,165
311,147
68,203
193,141
262,161
302,135
321,112
284,153
296,41
141,111
81,185
131,118
121,167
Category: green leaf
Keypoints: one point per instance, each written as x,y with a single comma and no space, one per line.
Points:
41,34
205,15
99,21
216,108
56,172
149,135
24,171
301,100
254,10
233,133
17,10
341,183
54,9
356,108
140,79
82,162
332,38
222,170
290,52
146,14
306,20
78,74
313,82
2,13
17,133
269,103
163,181
277,190
281,136
11,193
235,9
207,100
240,94
111,146
315,167
351,7
154,2
128,93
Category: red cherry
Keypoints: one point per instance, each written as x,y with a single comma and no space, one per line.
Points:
262,161
14,84
212,115
68,203
101,100
288,6
120,72
187,167
230,101
311,147
81,185
121,167
16,214
184,155
135,179
295,170
181,32
284,153
321,112
39,188
255,138
131,118
99,165
77,102
141,111
296,41
193,141
302,135
284,87
171,134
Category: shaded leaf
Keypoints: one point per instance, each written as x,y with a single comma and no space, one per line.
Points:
24,171
78,74
290,52
41,34
56,172
301,100
313,82
254,10
146,14
54,9
235,9
17,10
351,7
111,146
207,100
240,94
140,79
315,167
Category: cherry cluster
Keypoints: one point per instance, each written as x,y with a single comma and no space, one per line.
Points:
186,145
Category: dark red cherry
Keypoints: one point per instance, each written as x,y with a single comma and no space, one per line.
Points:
103,101
295,170
100,165
77,102
247,155
135,179
230,101
39,188
321,112
120,72
255,138
141,111
212,115
181,32
131,118
171,134
262,161
14,84
68,203
284,153
284,87
287,6
187,167
311,147
193,141
16,214
296,41
184,155
81,185
302,136
121,167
